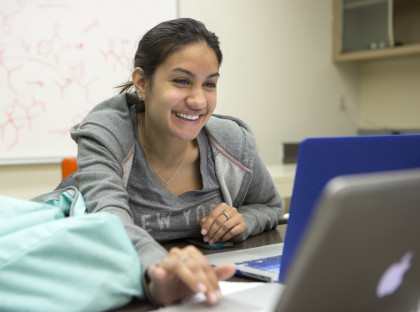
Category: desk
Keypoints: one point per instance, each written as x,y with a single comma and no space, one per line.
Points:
265,238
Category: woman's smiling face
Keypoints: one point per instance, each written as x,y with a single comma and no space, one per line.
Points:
182,94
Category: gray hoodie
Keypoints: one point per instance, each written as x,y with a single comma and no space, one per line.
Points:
106,148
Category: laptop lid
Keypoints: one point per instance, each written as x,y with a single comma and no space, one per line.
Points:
361,251
321,159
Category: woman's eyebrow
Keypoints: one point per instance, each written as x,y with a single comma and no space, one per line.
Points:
186,71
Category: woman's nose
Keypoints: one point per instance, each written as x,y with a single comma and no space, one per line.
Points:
196,99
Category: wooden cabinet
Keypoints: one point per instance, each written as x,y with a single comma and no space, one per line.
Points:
371,29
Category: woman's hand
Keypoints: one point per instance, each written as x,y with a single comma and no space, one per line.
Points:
183,273
223,224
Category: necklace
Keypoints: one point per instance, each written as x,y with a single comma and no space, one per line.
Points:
177,170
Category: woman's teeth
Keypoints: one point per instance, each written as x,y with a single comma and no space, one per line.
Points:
189,117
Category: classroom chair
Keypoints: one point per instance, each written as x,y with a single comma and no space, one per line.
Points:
68,166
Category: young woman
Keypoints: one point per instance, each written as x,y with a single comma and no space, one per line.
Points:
156,156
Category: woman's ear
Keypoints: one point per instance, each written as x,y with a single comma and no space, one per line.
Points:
139,82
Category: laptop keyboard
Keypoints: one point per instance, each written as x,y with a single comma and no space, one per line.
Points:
270,264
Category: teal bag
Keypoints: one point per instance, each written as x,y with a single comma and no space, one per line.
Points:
50,262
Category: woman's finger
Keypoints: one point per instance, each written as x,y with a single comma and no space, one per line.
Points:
232,230
216,219
233,234
213,215
229,224
193,269
224,271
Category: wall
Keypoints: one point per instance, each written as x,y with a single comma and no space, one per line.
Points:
390,93
28,181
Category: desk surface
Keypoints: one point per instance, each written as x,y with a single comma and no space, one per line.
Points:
265,238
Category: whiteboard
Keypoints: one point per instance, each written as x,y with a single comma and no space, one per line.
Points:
58,59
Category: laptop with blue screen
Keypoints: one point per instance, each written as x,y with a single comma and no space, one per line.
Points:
320,160
260,263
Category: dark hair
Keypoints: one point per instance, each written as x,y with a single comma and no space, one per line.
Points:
166,38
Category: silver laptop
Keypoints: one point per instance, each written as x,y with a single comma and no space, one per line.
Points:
361,252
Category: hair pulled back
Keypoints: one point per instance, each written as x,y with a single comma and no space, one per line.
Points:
166,38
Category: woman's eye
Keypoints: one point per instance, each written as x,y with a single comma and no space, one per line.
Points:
210,85
181,81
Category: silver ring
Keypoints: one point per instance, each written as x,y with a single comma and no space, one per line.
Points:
226,215
185,258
